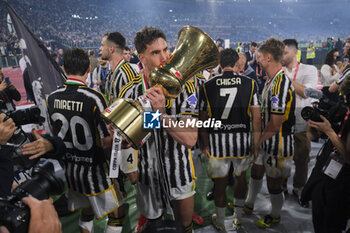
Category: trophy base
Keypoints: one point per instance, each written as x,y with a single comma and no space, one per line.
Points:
127,116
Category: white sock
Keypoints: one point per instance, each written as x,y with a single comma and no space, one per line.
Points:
87,225
220,215
113,229
276,204
253,190
238,207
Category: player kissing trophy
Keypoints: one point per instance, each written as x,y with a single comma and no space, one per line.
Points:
194,52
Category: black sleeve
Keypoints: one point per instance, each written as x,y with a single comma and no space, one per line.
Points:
59,147
6,170
13,93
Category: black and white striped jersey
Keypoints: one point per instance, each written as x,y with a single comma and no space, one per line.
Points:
117,79
198,82
346,73
176,158
278,97
147,158
228,98
74,111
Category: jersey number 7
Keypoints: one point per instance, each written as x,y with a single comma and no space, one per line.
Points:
231,92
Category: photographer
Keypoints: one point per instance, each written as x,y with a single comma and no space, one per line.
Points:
328,186
43,218
8,93
39,145
7,128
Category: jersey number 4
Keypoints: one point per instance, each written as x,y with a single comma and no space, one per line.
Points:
231,92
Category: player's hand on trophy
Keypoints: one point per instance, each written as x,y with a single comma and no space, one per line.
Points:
156,97
126,144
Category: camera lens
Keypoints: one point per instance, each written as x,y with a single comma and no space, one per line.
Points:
47,179
27,116
306,113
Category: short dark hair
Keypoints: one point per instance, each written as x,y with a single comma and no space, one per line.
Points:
116,38
329,59
273,46
291,43
127,48
76,61
146,36
254,44
228,58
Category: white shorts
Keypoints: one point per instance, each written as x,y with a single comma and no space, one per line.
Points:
102,203
183,192
197,162
219,168
149,198
129,160
275,167
149,201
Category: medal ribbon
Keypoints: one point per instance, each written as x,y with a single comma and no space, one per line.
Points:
108,90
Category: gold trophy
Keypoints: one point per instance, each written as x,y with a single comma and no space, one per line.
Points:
194,52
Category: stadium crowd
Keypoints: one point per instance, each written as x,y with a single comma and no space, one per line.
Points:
80,23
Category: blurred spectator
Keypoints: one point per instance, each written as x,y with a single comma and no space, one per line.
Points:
60,57
330,73
329,44
127,58
239,48
100,74
339,47
93,61
243,68
251,53
8,93
310,54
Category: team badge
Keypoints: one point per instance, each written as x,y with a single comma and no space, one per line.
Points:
274,101
192,101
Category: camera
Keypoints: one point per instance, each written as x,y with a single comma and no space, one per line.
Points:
27,116
47,179
22,117
333,111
